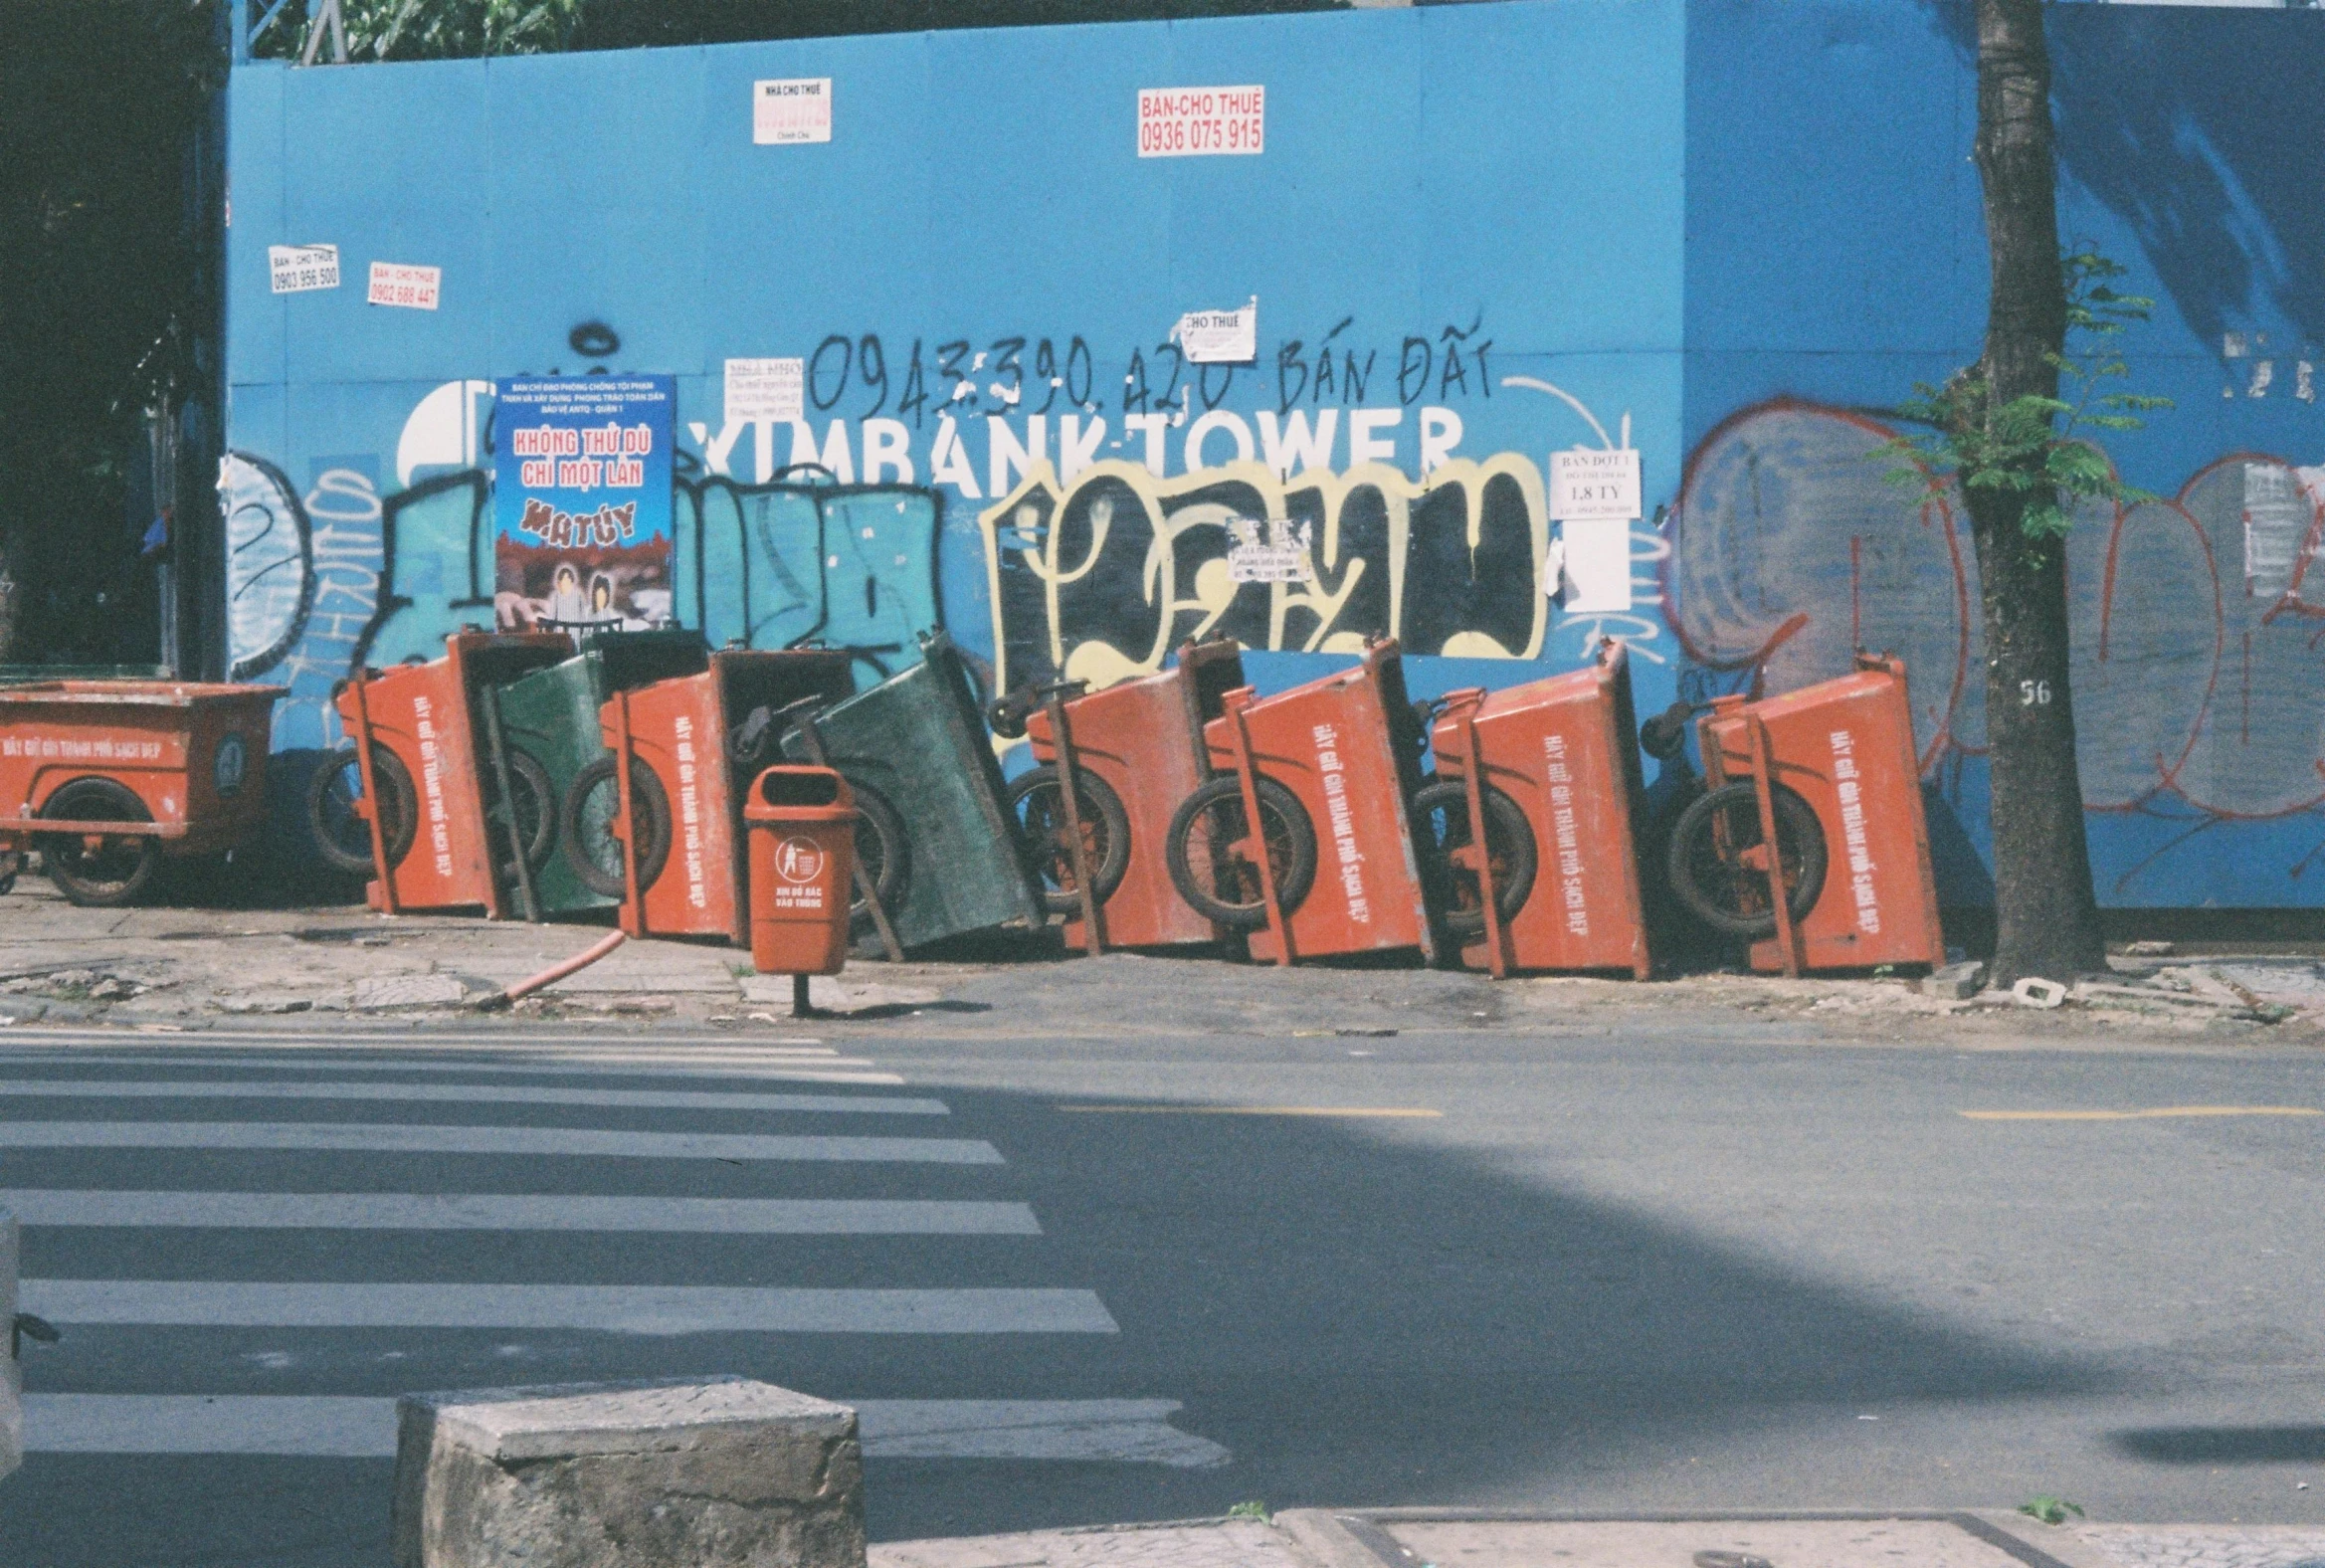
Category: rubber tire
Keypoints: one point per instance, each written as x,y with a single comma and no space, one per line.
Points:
883,843
1796,831
1100,808
1293,879
399,822
648,801
98,799
1507,833
527,776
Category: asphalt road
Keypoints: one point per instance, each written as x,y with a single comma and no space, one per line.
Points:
1070,1281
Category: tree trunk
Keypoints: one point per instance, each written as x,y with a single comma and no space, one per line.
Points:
2046,920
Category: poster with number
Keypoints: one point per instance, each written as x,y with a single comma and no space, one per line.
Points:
582,502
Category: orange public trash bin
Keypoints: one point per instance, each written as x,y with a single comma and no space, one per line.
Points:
1326,769
1834,767
801,825
1560,794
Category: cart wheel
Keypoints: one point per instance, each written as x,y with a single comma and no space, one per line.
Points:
118,868
593,843
534,804
1707,866
1440,825
342,838
882,848
1222,886
1039,803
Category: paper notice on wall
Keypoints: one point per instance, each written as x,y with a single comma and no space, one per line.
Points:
766,389
1220,337
789,112
1591,566
1274,550
1196,122
295,268
412,287
1588,484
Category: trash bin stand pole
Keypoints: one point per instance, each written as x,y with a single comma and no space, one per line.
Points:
1763,790
524,872
379,853
1254,844
812,736
800,1006
1068,787
1473,777
633,896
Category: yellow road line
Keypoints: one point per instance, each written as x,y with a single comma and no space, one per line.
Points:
2158,1113
1254,1111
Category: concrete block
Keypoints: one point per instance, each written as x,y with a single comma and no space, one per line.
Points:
12,1381
730,1474
1955,982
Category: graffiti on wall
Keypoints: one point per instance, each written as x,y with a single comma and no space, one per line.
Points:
2198,618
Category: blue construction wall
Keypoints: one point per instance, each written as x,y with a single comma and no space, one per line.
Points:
1724,233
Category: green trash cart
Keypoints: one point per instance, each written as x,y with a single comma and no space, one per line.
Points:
543,728
936,830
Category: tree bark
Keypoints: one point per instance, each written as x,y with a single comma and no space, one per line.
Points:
2046,921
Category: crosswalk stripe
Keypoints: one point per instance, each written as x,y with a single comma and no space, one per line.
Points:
396,1211
463,1094
842,1070
397,1137
626,1309
1135,1431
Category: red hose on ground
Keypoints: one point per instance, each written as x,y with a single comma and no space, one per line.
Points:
558,971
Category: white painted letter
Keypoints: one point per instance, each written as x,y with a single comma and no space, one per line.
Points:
834,454
1363,446
1217,419
717,450
1074,453
1441,432
948,461
1005,459
886,445
1153,425
1294,444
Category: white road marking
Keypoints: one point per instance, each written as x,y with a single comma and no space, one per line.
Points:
1134,1430
401,1139
462,1095
396,1211
811,1071
622,1309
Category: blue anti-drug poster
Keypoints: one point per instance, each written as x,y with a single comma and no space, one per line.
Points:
582,502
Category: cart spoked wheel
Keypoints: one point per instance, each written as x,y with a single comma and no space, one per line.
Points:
882,849
533,803
1219,883
593,828
342,836
1440,825
1718,862
98,869
1039,799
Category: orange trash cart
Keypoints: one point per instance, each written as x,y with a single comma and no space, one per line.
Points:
1137,752
687,787
1829,774
1559,794
408,798
106,777
1326,770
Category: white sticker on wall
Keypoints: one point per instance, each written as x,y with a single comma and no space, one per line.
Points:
787,112
414,287
1275,550
1589,483
1594,575
766,389
295,268
1195,122
1220,337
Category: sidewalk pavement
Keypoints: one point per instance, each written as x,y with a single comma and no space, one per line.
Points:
1422,1539
195,969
